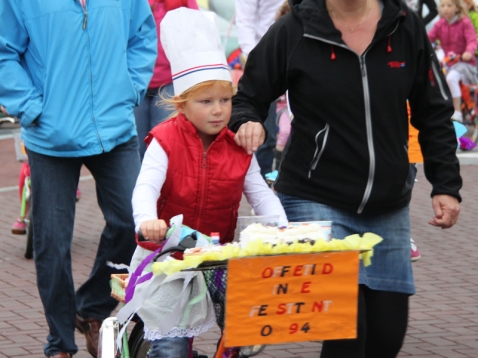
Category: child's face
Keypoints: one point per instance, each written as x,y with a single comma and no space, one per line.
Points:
448,9
209,111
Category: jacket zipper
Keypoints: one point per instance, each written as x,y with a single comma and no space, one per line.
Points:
368,126
368,117
203,188
85,22
85,15
161,207
318,153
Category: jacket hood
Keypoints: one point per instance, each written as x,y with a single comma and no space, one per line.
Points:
316,20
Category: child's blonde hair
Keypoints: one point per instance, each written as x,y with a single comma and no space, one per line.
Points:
462,8
173,103
471,6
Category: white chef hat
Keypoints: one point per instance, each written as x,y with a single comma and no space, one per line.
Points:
192,44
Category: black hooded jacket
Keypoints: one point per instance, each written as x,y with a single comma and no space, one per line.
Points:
349,136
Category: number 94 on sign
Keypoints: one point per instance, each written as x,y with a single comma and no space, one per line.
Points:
294,328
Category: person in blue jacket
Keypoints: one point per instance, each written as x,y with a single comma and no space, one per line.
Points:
72,72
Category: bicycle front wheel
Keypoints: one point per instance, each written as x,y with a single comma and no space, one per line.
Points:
138,346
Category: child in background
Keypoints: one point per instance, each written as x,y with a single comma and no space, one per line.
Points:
457,36
192,165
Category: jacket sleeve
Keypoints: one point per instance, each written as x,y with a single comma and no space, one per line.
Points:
432,11
245,24
17,93
264,78
142,47
431,109
470,35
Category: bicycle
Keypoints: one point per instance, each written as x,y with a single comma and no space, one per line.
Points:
215,276
297,280
469,104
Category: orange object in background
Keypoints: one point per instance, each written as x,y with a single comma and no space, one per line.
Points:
291,298
414,149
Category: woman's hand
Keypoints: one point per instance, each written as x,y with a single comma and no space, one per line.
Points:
466,56
3,110
250,136
154,230
447,209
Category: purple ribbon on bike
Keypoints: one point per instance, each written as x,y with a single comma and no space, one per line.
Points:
136,278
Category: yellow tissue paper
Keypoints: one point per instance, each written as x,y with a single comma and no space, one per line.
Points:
364,244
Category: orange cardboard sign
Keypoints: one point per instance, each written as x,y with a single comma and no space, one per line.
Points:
291,298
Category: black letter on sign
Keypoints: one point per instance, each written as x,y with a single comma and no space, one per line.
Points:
266,331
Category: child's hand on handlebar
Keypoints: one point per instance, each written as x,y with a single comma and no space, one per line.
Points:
154,230
466,56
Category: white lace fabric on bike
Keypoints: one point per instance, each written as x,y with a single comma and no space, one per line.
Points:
178,306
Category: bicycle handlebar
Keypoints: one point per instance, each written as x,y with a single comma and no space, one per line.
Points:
187,242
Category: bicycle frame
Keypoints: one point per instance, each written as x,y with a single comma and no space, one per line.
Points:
107,347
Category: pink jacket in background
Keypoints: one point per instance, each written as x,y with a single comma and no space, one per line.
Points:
162,70
457,37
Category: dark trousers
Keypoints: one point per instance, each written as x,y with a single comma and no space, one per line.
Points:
54,183
381,327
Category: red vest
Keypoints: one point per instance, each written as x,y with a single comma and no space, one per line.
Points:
206,187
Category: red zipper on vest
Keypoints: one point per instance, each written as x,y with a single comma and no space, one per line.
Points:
161,207
203,177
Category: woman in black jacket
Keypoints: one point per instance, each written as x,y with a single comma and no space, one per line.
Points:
349,67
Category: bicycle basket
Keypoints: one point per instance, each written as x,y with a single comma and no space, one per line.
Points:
118,286
216,281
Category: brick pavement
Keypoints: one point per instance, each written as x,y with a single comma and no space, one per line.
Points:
443,313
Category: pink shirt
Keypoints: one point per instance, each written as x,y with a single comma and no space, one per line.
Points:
458,37
162,70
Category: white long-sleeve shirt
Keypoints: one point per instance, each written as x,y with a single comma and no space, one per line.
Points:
253,19
153,175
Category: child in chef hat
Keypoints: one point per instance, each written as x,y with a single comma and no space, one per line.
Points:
193,167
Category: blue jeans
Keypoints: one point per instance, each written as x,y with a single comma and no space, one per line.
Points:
391,268
54,182
384,286
177,347
265,153
149,114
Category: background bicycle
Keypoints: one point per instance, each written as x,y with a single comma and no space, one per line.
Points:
23,224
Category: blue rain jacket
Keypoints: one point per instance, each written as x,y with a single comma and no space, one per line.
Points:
73,75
